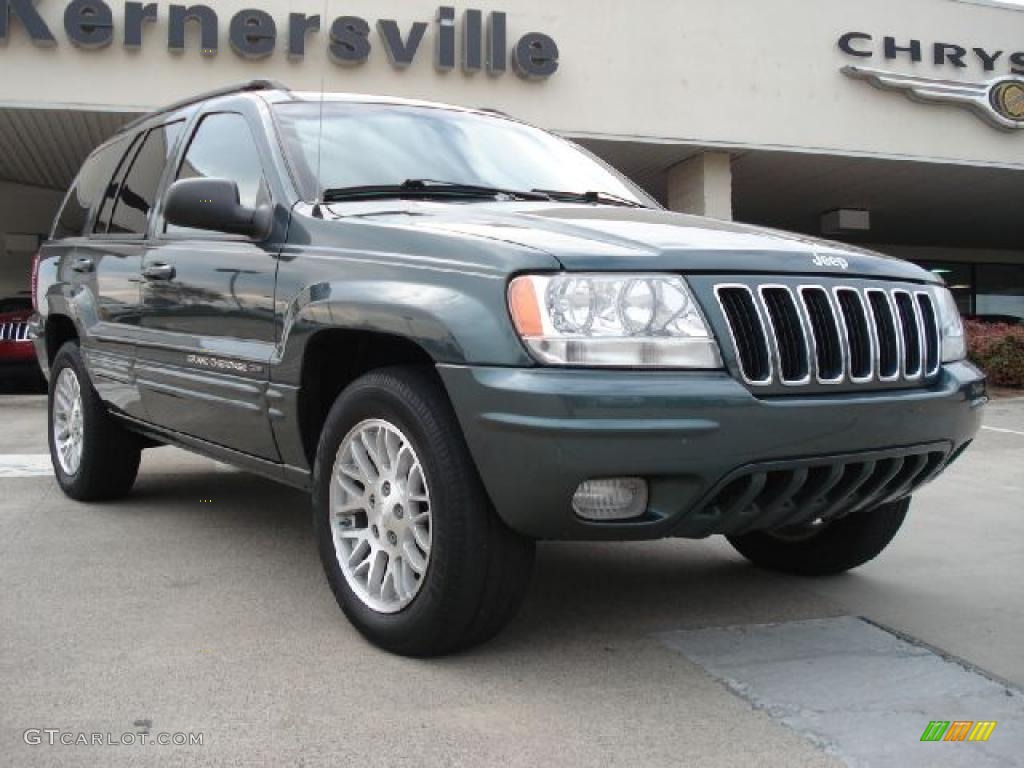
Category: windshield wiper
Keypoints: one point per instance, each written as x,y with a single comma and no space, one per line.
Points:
605,198
425,188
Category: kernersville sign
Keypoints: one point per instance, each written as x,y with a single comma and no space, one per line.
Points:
254,34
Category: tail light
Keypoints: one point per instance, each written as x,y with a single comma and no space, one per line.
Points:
35,281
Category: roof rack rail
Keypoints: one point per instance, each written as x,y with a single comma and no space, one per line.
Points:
227,90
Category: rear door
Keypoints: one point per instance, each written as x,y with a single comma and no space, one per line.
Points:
208,327
104,283
112,257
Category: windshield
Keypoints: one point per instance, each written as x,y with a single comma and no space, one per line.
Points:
387,144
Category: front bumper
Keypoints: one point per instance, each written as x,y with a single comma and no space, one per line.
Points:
537,433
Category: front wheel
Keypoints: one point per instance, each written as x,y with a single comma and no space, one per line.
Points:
415,554
825,548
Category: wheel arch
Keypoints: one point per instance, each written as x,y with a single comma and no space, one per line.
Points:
59,330
335,357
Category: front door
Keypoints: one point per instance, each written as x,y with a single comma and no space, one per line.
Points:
208,327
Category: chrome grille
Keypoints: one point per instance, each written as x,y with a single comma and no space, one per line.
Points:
793,336
14,331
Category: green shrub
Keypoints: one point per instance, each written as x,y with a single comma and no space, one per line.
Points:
998,350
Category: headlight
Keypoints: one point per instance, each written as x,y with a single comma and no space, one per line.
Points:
613,320
951,327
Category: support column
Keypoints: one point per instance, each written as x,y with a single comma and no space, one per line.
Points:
702,185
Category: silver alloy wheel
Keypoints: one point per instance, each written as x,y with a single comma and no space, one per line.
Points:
380,515
68,423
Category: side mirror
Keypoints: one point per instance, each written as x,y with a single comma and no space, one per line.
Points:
213,204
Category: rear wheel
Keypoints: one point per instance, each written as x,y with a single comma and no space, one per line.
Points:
825,548
415,554
93,456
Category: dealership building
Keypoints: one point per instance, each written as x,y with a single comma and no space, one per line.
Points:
893,125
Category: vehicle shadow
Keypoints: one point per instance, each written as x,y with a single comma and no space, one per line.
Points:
578,589
30,384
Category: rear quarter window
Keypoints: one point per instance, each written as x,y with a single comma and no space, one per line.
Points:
88,189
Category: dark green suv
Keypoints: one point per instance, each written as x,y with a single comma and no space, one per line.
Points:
462,335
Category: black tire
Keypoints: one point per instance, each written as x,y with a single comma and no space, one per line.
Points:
110,453
479,569
841,545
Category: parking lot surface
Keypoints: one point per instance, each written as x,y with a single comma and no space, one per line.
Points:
197,605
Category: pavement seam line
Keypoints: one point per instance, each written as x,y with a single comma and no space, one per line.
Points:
1003,430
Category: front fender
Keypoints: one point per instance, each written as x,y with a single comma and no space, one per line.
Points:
459,321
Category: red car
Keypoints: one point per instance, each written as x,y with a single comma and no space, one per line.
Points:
17,355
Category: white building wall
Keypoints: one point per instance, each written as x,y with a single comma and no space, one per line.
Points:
736,73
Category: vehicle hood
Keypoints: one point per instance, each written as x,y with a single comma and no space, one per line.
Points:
602,237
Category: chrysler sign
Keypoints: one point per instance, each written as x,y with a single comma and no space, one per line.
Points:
470,41
998,100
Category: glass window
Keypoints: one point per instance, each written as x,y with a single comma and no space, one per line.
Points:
959,279
103,217
138,192
362,144
1000,291
88,189
223,147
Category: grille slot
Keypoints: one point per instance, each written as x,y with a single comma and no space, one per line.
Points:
858,334
14,331
788,334
931,333
910,323
885,331
748,333
828,351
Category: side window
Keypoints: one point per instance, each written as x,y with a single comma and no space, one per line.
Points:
110,196
88,189
138,192
223,147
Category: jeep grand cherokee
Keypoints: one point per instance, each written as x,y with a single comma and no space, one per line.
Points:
463,334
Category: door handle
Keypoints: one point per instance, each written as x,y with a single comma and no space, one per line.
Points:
159,271
83,264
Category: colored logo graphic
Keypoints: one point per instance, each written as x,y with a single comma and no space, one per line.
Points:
958,730
1008,99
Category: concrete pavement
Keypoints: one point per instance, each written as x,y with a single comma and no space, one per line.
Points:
198,605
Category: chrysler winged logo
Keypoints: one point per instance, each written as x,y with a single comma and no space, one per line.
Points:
999,101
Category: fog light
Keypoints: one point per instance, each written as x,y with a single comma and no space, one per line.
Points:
614,498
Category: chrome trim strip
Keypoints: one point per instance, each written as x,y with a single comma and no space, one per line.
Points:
846,335
897,330
843,361
774,345
732,335
938,333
